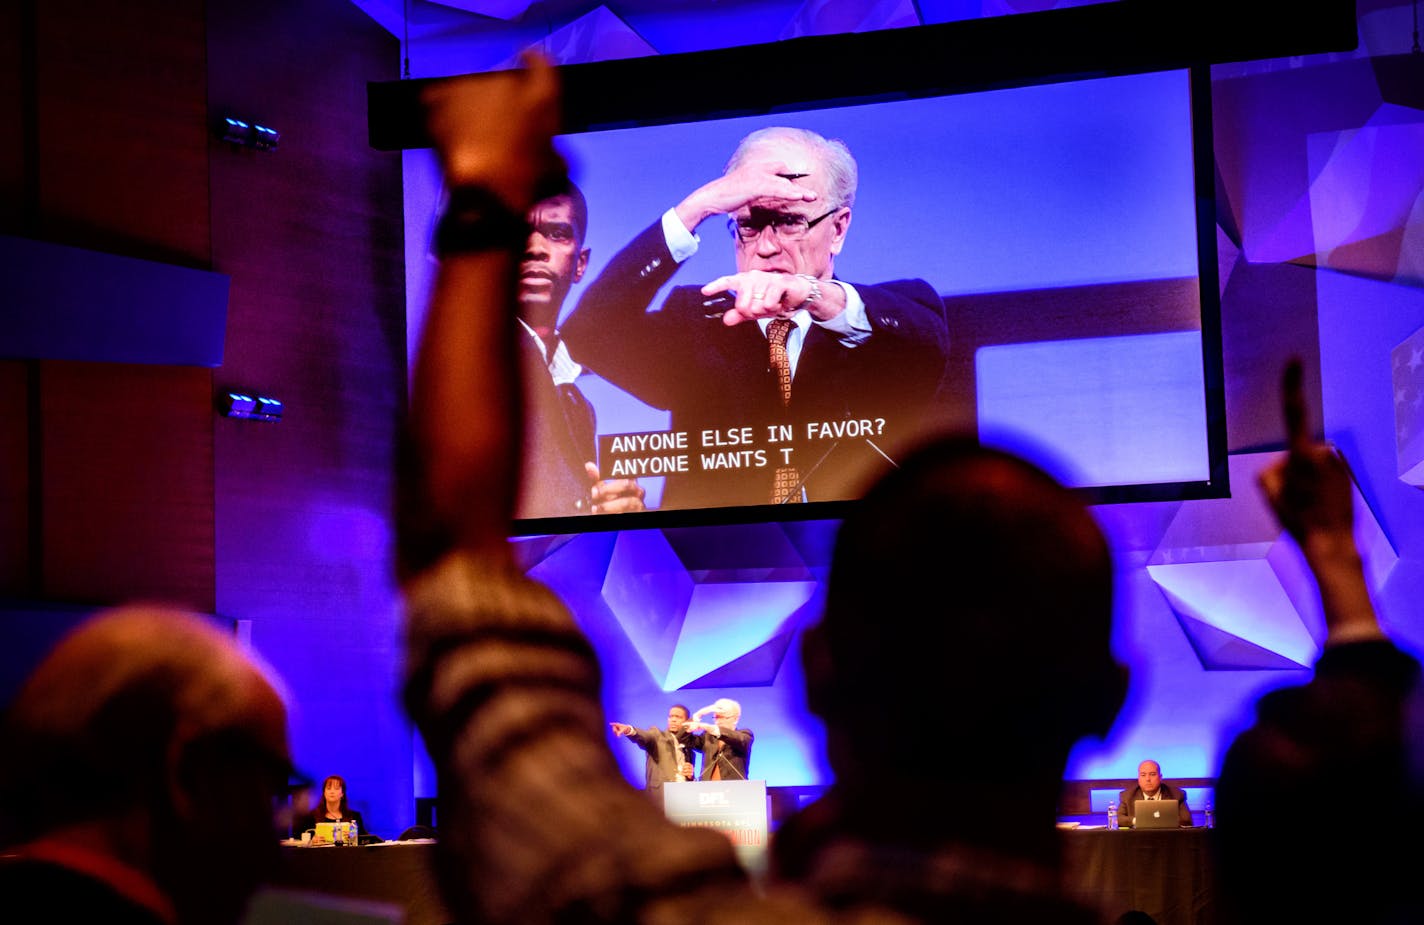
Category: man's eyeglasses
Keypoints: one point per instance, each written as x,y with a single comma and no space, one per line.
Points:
784,225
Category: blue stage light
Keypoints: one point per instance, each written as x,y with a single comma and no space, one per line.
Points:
244,134
249,407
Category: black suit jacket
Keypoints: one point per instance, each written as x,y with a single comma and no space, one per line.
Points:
662,762
1128,798
713,377
558,440
731,751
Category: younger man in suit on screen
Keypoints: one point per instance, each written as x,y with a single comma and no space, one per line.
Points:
561,452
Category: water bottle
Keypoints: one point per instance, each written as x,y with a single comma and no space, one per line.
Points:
353,837
338,833
1210,816
1112,815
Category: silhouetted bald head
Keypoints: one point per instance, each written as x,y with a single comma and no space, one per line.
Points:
142,727
972,590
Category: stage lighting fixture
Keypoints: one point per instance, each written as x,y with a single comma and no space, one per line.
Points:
250,407
241,133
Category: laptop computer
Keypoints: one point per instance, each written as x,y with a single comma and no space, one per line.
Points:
1154,814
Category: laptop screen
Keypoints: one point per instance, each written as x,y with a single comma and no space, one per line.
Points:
1154,814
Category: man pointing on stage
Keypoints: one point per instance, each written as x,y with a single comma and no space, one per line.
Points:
669,752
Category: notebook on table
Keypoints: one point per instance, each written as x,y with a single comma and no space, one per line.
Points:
1154,814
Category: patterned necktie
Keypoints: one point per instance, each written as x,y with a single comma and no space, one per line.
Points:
776,334
786,481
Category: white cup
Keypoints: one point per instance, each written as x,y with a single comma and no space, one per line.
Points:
307,837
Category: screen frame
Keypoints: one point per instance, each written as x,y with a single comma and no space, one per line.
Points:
1055,46
1215,485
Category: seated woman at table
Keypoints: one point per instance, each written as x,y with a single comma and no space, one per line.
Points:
1151,786
332,806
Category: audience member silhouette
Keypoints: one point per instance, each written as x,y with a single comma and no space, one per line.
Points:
119,750
979,551
1337,749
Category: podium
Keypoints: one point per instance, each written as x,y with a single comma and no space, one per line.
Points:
736,808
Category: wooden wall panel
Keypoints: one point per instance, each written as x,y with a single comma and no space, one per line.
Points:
15,74
111,155
122,133
15,77
127,484
15,578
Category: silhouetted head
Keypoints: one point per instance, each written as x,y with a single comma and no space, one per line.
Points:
186,735
970,596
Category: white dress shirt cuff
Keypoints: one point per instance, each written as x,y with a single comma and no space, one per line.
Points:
851,326
681,243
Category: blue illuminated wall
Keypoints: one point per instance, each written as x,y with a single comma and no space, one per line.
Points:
1320,227
1321,237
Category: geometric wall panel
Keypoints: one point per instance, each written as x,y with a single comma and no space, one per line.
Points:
829,17
1237,615
1223,650
757,668
598,35
1367,183
1407,363
648,591
696,619
690,614
1237,583
726,622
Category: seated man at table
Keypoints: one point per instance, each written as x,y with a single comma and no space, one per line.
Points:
1151,786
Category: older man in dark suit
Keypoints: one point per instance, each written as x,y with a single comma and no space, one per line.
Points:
726,750
837,371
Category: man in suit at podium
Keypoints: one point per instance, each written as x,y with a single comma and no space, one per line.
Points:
669,750
726,750
1151,786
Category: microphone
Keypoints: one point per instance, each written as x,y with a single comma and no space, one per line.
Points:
716,306
801,482
876,447
729,766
